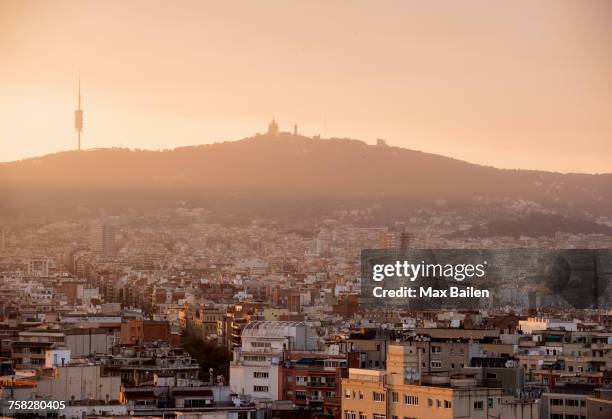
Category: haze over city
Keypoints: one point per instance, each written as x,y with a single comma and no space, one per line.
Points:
515,85
306,209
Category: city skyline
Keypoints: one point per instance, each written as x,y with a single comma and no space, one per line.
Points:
513,86
306,210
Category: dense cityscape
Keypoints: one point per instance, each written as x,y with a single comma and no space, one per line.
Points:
181,312
305,210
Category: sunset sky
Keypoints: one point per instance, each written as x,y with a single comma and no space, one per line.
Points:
517,84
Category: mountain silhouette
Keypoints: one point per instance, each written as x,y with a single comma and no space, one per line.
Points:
285,173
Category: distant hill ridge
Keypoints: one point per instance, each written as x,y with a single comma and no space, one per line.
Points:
292,171
534,225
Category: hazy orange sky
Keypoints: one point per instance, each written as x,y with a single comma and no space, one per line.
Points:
520,84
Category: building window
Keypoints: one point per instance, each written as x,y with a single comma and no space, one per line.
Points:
378,397
347,394
259,374
362,415
360,395
197,403
436,364
260,389
447,404
378,416
395,397
478,405
436,349
429,403
438,404
255,358
556,402
317,381
411,400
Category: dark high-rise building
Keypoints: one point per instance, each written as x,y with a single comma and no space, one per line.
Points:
103,239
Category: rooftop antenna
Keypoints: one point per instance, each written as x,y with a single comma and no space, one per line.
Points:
78,118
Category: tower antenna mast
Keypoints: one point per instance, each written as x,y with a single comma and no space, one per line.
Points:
78,119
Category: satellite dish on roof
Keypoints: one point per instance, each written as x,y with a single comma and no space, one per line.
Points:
510,364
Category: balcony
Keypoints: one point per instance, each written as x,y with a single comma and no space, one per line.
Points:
319,384
315,399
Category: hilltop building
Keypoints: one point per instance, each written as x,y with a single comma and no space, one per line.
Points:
273,130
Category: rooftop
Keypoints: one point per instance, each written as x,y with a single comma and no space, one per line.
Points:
270,329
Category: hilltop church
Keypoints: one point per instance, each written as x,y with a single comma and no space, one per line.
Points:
273,130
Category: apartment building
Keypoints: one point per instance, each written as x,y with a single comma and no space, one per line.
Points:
599,406
30,354
368,349
364,394
143,364
256,364
558,405
312,382
404,390
80,381
369,394
143,331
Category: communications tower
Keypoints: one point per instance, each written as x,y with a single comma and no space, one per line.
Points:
78,119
